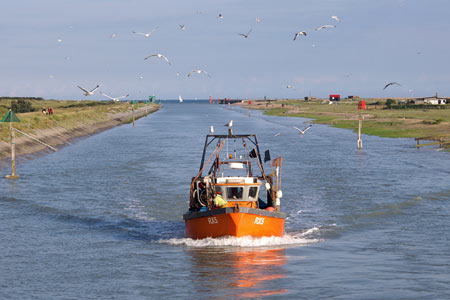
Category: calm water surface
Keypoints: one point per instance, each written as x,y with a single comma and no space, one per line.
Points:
102,218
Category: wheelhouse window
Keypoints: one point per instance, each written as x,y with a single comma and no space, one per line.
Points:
253,193
235,193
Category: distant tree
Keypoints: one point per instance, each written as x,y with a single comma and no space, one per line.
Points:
21,106
390,103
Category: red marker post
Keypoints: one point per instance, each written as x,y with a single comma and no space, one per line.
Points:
361,107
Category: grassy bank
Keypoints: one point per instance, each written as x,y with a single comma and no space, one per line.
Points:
67,114
378,120
70,120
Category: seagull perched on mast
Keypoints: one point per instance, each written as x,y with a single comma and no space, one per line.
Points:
115,99
146,34
159,56
86,92
198,72
211,130
245,35
229,125
391,83
325,26
302,131
297,34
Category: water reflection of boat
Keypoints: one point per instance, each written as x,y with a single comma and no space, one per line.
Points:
223,203
241,274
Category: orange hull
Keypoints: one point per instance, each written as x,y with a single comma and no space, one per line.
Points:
234,222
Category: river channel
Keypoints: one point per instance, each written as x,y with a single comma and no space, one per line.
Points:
102,217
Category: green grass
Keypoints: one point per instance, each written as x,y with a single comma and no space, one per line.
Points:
378,120
68,114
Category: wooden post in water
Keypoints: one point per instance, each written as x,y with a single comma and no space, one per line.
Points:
361,106
132,112
13,154
359,133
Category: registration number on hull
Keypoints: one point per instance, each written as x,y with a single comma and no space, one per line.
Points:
259,221
213,220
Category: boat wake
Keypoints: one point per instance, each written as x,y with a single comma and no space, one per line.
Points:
289,239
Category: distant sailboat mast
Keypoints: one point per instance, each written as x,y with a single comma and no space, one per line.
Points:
179,98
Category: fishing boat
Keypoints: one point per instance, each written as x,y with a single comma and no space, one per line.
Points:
225,199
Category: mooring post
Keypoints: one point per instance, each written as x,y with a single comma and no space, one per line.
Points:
13,154
361,107
359,133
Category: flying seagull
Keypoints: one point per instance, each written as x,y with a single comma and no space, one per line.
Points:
336,18
391,83
113,35
86,92
325,26
198,72
258,20
220,16
302,131
297,34
181,26
59,39
159,56
245,35
289,86
146,34
180,99
116,99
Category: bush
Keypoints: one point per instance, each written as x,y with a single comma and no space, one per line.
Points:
21,106
390,103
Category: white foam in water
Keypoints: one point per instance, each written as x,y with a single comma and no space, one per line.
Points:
247,241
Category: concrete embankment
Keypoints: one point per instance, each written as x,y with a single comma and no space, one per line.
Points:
59,136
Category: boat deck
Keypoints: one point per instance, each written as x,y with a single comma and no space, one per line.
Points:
229,210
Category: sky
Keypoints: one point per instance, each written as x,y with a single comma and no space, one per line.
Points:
49,47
